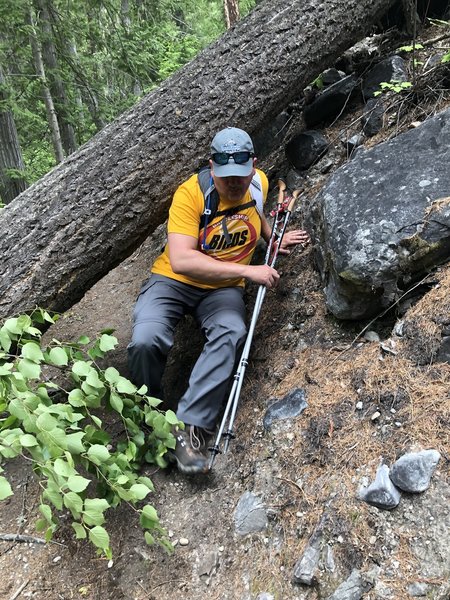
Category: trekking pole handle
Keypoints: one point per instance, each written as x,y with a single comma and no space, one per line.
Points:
295,195
281,190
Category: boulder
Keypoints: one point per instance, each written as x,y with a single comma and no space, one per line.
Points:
383,220
331,101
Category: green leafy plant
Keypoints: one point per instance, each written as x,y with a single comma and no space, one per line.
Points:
410,48
55,406
317,82
393,86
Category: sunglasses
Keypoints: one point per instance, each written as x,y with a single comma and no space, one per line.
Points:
222,158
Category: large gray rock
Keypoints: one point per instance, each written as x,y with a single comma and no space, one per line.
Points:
390,69
383,220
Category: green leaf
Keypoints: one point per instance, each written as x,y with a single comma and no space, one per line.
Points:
81,368
73,502
78,484
53,495
5,369
171,417
28,441
40,525
63,468
98,454
29,369
46,512
80,531
5,488
139,491
12,326
76,398
99,537
58,356
17,409
75,442
93,511
94,381
125,387
149,517
112,375
107,342
146,481
5,339
33,352
45,422
83,340
150,540
96,420
116,402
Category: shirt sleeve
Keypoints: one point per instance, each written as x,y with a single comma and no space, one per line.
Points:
185,212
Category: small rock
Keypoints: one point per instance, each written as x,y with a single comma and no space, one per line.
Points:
381,493
418,589
412,472
250,515
353,588
292,405
183,541
359,405
56,559
376,415
371,336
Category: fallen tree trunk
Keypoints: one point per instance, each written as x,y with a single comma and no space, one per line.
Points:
88,214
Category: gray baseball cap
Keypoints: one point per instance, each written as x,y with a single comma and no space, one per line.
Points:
232,140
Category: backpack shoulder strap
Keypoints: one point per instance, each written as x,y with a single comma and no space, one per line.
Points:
257,194
210,195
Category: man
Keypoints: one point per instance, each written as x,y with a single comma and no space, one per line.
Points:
202,272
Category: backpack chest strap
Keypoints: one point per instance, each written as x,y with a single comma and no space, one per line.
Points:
228,213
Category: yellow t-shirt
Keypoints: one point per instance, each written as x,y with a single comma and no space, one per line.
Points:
244,229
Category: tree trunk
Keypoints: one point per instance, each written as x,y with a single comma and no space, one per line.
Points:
92,211
48,100
231,12
56,84
11,162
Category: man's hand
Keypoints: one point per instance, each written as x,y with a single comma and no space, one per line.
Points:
263,275
292,239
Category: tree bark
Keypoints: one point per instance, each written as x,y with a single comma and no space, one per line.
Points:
48,100
56,84
231,12
10,152
87,215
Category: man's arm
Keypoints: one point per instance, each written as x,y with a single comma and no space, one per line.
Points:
187,260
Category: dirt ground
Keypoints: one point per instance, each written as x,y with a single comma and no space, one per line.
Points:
302,469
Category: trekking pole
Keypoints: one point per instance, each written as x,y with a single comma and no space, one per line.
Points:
281,217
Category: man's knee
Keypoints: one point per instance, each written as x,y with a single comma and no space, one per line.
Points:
231,325
149,338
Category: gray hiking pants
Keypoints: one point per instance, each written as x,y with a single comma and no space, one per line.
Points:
220,313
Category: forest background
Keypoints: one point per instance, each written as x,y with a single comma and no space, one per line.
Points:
69,67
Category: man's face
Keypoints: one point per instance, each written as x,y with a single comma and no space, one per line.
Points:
232,188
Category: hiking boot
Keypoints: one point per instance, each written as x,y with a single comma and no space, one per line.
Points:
191,450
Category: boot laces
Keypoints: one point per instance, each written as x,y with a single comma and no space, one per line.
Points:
196,437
